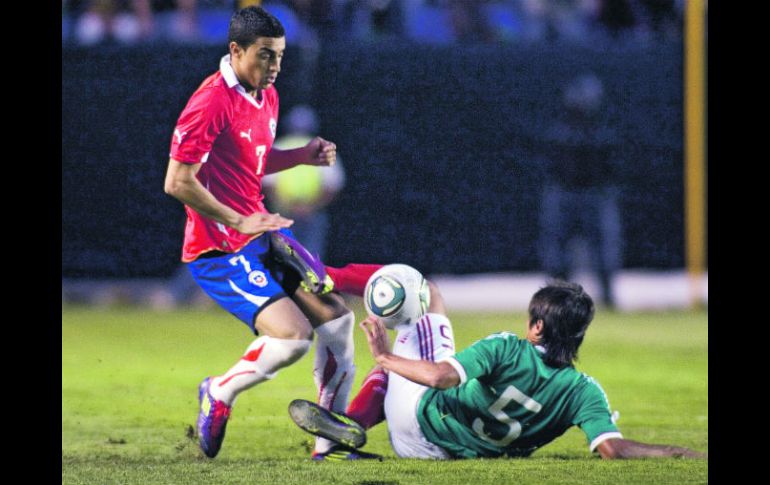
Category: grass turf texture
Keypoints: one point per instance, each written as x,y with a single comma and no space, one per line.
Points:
129,403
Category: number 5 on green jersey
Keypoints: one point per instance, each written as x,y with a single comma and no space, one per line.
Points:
496,410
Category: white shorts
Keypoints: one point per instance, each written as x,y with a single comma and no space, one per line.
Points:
431,338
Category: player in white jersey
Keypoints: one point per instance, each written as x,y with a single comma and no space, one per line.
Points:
502,396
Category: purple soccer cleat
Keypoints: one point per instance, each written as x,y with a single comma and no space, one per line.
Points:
212,420
310,268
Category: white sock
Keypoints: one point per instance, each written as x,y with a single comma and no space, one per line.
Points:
262,360
334,370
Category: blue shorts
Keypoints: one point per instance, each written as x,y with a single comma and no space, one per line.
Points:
247,281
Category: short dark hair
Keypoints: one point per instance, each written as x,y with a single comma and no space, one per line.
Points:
251,22
566,311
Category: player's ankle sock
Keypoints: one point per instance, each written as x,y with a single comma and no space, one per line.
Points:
368,407
352,277
334,370
262,360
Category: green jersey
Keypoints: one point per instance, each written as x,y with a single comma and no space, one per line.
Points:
510,402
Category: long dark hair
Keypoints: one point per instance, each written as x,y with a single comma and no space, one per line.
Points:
251,22
566,311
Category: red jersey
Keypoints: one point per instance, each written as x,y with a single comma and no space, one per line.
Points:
230,133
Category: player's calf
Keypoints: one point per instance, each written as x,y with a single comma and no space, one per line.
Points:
367,407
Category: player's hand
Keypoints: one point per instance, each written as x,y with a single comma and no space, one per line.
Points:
376,335
260,222
688,453
322,152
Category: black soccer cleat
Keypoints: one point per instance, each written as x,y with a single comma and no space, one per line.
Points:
327,424
341,453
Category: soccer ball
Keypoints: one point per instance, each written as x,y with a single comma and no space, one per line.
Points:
397,294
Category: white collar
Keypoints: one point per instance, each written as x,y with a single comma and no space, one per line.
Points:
232,81
227,72
540,349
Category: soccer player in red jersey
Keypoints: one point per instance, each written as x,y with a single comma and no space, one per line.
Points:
220,149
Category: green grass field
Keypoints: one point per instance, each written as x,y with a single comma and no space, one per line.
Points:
129,402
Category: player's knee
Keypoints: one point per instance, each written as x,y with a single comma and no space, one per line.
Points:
288,330
280,353
299,333
293,349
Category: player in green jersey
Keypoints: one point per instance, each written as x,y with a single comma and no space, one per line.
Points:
502,396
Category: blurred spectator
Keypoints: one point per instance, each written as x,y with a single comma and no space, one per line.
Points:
316,14
581,193
584,20
101,20
368,19
642,18
469,22
617,16
176,20
571,20
665,17
132,21
308,22
386,17
303,193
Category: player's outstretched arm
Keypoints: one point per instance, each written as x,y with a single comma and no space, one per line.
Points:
618,448
182,184
439,375
317,152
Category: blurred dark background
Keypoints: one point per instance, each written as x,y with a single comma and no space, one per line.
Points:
442,130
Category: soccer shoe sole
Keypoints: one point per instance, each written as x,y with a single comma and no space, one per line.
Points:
318,421
311,269
343,453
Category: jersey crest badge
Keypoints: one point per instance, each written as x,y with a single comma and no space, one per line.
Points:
273,125
258,278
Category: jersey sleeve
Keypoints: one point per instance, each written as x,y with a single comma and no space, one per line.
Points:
593,414
483,357
203,119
